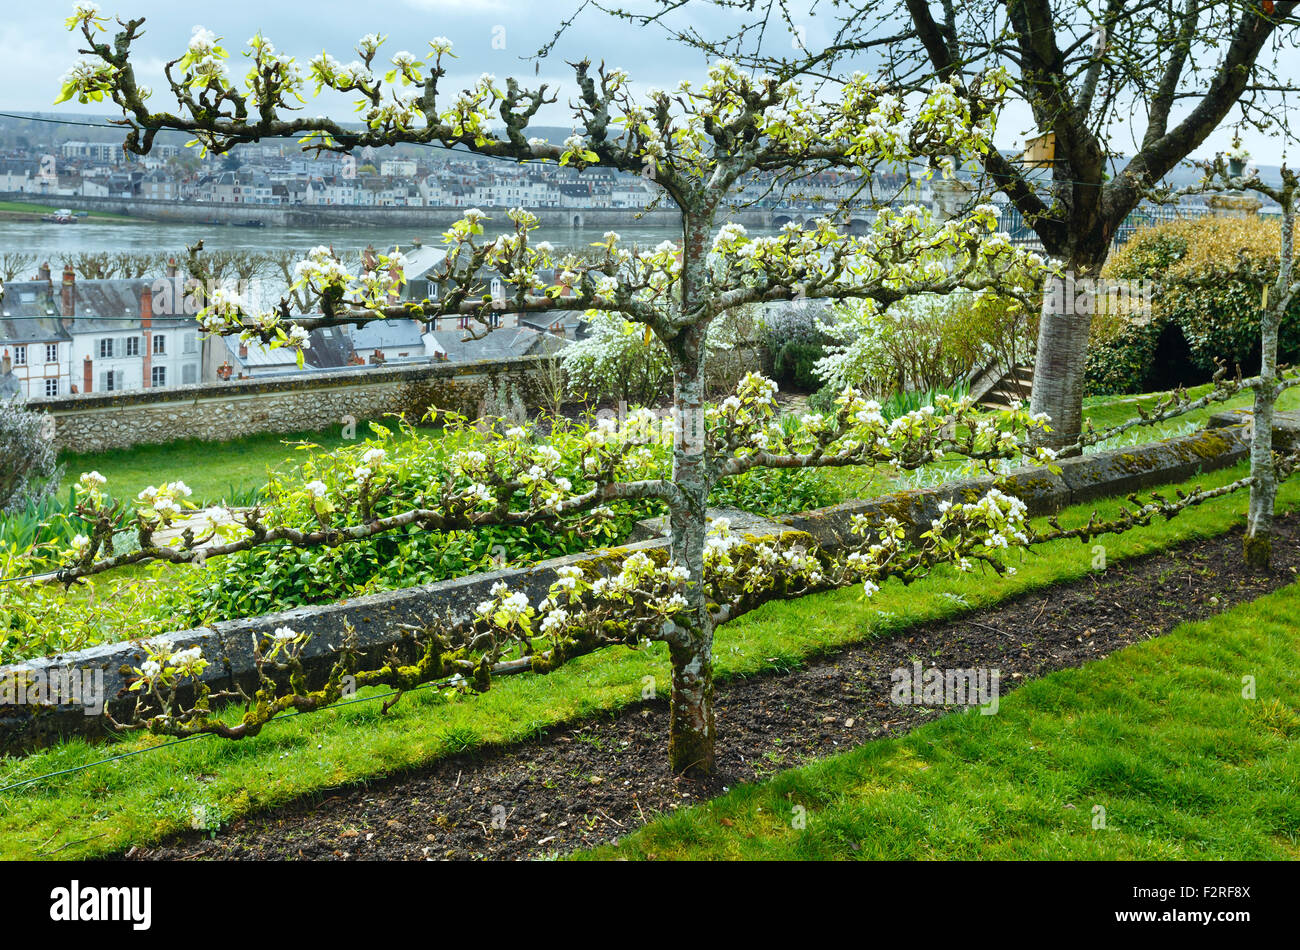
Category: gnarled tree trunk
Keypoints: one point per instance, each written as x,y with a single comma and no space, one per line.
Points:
691,730
1258,544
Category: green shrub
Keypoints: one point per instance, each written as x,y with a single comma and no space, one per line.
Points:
1120,357
1209,275
279,577
29,471
794,363
777,491
795,339
923,343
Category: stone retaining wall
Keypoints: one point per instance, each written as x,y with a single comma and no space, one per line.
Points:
379,619
216,412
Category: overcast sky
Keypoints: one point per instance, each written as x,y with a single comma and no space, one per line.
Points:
492,36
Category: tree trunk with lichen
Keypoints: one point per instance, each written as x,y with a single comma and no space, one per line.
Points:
691,729
691,734
1258,543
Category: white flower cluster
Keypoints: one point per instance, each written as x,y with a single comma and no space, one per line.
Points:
505,609
92,484
321,270
163,504
164,664
204,60
88,79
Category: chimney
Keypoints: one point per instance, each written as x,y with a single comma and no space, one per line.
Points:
43,272
171,267
243,350
368,258
6,364
69,291
146,324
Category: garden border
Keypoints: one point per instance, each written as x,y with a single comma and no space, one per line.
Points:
378,618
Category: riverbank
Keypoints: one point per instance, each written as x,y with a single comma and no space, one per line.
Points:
26,211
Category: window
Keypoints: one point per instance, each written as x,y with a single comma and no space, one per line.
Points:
110,381
106,348
189,374
159,343
20,356
51,387
51,352
133,346
190,344
159,374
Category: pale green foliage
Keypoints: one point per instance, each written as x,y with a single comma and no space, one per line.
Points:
921,343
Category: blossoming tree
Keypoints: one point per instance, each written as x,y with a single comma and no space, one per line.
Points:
694,144
1233,176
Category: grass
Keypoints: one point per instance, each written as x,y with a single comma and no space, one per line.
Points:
217,472
1106,411
108,807
228,472
1157,741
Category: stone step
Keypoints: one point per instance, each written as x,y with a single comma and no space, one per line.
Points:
1286,426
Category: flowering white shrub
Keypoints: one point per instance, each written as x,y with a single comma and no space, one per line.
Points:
29,469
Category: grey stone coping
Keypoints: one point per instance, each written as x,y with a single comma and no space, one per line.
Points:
256,386
378,618
1286,426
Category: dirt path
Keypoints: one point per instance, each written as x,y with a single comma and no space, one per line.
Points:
596,780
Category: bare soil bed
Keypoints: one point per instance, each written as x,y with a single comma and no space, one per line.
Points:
596,780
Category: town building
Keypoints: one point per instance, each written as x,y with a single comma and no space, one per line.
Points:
83,336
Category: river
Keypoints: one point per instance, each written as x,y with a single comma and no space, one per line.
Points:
52,241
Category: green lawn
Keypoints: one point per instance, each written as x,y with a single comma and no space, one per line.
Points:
109,807
1156,740
1107,411
229,471
217,472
